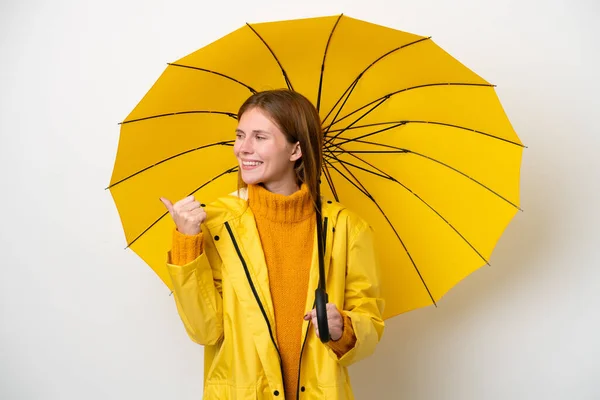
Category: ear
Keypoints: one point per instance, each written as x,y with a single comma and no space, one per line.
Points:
296,153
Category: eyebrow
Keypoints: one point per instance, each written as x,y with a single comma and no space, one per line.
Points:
255,131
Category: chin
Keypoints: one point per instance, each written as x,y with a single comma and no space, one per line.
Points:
250,180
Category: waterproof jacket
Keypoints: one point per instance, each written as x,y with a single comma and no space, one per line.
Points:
224,301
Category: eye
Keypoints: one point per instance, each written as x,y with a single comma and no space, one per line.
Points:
260,137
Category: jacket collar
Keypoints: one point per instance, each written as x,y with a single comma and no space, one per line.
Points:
235,204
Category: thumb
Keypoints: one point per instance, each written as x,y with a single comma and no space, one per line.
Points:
309,315
167,204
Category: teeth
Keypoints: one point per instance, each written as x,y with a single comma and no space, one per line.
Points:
251,163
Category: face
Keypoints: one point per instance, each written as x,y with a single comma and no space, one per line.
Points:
264,154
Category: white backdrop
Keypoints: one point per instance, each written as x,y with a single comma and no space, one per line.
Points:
81,318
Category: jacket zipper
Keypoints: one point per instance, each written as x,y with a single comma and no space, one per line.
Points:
300,362
262,309
313,306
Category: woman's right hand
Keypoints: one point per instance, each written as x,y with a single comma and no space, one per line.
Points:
187,214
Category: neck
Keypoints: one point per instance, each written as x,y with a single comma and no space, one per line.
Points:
285,188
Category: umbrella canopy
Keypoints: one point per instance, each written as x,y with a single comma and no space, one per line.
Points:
415,142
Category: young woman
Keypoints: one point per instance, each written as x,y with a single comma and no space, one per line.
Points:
245,268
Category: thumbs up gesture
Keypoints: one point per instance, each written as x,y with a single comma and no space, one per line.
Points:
187,214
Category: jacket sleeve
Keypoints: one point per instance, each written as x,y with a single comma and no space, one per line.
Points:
198,295
362,303
348,339
185,248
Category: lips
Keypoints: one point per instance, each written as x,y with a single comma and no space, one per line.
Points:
246,165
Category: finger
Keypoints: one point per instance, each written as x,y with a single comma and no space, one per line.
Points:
167,204
198,212
184,201
184,208
310,315
334,313
195,217
193,205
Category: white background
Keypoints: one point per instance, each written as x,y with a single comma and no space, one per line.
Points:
81,318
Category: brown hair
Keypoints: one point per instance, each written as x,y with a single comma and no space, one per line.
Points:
299,121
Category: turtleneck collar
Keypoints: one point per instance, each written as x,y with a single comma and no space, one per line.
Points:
280,208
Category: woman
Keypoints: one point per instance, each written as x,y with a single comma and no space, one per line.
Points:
245,268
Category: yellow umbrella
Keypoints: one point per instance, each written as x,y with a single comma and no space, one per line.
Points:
416,143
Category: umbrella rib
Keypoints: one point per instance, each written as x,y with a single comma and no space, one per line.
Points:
381,101
359,77
465,175
369,196
369,151
406,151
367,125
228,171
358,185
349,91
399,123
398,150
424,202
387,96
379,173
330,140
172,114
285,76
330,182
223,143
215,73
323,63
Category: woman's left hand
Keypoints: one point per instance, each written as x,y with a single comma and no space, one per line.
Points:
335,321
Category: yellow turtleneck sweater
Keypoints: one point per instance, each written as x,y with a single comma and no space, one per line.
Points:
286,226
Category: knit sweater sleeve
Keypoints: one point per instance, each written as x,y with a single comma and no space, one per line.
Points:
186,248
347,341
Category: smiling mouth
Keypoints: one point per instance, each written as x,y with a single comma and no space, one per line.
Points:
250,164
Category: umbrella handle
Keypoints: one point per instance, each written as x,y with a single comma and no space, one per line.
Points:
321,300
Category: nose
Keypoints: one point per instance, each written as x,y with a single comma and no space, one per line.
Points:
245,146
